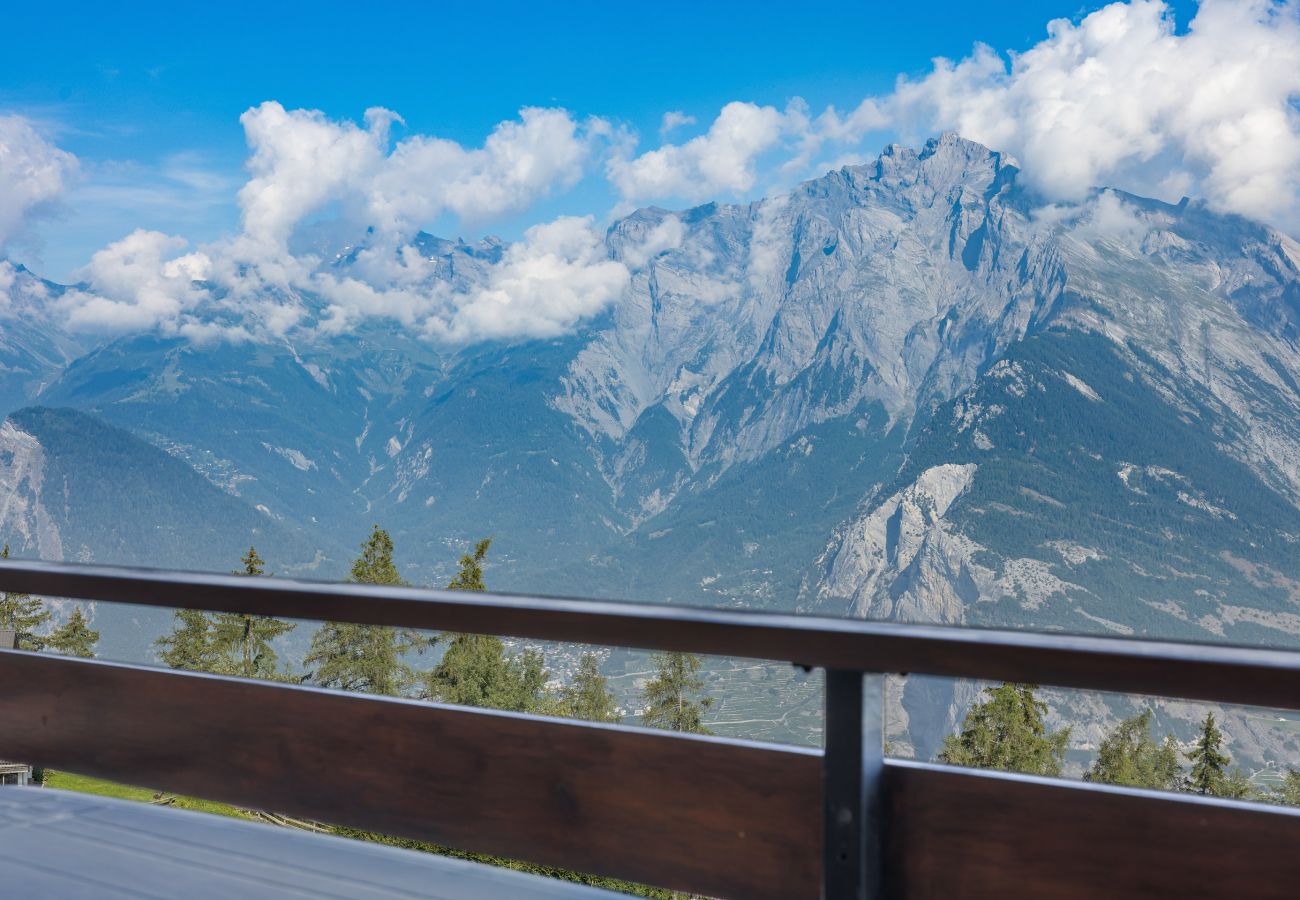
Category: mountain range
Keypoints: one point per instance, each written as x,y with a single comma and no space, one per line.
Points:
907,390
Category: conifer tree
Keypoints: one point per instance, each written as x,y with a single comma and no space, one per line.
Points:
1237,786
1130,756
190,644
1007,732
75,638
1209,763
470,576
672,698
475,670
24,615
241,642
1289,791
366,657
588,696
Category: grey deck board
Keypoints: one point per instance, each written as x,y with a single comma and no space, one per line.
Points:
59,844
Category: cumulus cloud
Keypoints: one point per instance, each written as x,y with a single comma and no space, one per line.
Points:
543,286
303,161
140,282
33,173
518,163
559,274
723,159
1121,98
302,165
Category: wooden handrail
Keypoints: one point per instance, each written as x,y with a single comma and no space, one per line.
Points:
1213,672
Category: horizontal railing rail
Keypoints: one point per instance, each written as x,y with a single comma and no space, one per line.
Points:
1214,672
720,817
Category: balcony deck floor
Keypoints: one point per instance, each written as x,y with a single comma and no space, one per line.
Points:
59,844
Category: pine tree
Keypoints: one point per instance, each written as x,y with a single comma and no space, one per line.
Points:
672,698
1007,732
367,658
24,615
1130,756
76,638
242,643
588,696
1209,762
190,645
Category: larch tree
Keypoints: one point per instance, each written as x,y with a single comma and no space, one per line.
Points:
1006,731
75,637
673,698
588,696
470,576
190,644
475,670
24,615
369,658
1129,756
242,642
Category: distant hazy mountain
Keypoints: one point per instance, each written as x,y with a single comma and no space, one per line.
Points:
75,488
904,390
33,349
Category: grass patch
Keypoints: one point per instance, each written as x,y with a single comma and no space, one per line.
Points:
84,784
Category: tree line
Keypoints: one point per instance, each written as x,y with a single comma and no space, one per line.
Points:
1007,731
474,669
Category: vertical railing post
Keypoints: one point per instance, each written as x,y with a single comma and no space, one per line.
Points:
853,776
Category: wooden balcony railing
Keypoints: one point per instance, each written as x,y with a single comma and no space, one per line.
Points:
719,817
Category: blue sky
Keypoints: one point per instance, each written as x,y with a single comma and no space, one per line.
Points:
148,96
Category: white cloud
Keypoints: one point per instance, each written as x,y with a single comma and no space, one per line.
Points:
8,276
559,274
140,282
518,163
673,120
667,235
33,173
721,160
1108,218
302,162
1120,98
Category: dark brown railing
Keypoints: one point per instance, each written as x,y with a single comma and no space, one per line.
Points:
719,817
